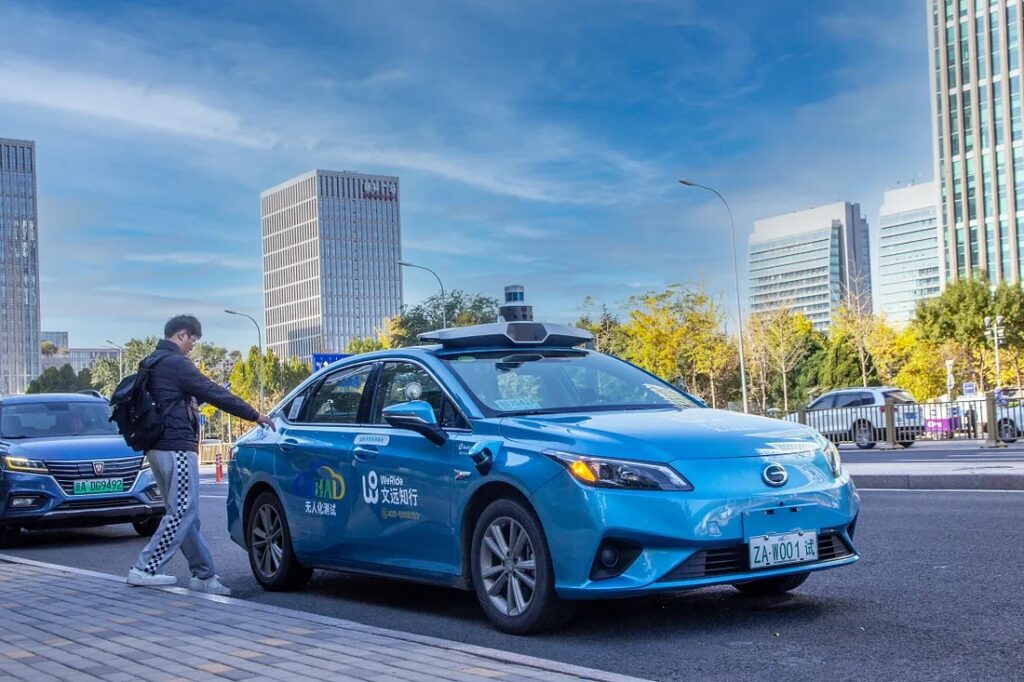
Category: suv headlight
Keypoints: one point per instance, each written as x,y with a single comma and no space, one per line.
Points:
32,466
602,472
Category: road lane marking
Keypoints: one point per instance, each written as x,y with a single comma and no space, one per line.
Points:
215,497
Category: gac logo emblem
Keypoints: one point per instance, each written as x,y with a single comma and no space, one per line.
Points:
775,475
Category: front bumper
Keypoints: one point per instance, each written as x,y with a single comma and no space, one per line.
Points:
53,508
697,538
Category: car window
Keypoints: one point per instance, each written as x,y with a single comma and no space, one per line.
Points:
337,399
867,399
899,397
56,418
822,403
401,382
847,400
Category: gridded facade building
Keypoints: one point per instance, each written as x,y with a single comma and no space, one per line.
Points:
908,251
19,266
78,358
809,261
331,246
979,136
59,339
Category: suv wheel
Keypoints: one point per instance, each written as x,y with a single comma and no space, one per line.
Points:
512,572
9,536
1007,431
269,542
770,586
864,435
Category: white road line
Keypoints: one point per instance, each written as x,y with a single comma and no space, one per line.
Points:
215,497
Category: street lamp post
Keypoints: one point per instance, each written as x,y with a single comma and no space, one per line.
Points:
259,337
995,332
444,315
736,277
120,359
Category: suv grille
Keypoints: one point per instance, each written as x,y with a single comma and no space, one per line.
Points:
719,561
67,472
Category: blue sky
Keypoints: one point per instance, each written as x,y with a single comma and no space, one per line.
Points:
537,143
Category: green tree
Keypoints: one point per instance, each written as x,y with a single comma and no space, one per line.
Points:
656,332
54,380
106,374
609,334
788,340
958,314
48,348
461,310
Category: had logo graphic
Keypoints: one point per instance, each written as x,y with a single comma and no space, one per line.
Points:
330,485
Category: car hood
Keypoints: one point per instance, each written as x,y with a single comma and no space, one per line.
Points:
70,448
662,435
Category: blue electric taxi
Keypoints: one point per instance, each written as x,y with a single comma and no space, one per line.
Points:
508,460
63,464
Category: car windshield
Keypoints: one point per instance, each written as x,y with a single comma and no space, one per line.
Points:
55,418
528,382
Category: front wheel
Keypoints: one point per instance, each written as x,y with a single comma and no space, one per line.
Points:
512,572
269,541
906,443
9,536
1007,431
864,435
770,586
147,527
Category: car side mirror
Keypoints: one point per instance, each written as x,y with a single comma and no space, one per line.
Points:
418,416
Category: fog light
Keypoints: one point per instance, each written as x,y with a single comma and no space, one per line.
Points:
613,558
23,501
609,557
154,494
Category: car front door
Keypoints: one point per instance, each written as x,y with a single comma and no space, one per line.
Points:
818,412
314,466
403,517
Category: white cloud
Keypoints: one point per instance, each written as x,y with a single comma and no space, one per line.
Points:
195,259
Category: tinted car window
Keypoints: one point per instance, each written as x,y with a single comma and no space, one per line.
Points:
822,403
337,400
899,397
847,400
50,419
401,382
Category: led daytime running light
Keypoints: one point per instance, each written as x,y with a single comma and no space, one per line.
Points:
34,466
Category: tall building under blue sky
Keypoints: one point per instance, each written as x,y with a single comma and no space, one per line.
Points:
331,246
908,251
810,261
19,266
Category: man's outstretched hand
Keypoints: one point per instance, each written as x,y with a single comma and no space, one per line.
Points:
264,420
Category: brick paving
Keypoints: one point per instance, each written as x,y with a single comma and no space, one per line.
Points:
64,624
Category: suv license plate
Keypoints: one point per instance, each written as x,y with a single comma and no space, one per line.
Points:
99,486
767,551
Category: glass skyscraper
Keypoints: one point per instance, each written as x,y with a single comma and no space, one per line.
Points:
979,138
19,266
810,261
331,245
908,251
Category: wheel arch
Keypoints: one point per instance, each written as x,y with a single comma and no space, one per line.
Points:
254,491
478,502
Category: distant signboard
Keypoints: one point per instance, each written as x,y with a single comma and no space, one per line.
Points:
970,388
321,360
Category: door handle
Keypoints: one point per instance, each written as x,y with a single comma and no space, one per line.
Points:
288,444
364,453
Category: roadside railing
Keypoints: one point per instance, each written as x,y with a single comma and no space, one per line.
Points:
208,453
898,424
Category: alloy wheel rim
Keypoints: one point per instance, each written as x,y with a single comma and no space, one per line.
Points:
1008,431
863,436
267,541
508,566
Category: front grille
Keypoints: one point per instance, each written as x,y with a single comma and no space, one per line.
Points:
67,472
105,503
721,561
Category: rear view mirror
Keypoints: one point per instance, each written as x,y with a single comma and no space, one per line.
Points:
418,416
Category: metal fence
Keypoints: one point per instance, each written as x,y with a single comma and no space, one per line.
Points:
903,423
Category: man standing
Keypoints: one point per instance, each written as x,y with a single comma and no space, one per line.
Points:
176,384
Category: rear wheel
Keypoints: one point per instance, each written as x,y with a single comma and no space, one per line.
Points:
1008,431
271,557
512,572
864,435
9,536
147,527
769,586
906,443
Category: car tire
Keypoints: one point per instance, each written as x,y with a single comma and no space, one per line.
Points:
269,545
906,443
9,536
863,435
1008,431
509,526
147,527
769,586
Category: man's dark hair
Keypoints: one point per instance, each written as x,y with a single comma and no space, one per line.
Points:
189,323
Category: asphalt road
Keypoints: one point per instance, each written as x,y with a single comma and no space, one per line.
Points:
936,452
939,595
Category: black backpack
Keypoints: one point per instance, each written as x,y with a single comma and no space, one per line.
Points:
133,409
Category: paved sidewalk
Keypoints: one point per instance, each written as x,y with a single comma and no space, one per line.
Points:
58,623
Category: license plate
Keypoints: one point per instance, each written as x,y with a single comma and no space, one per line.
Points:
98,486
767,551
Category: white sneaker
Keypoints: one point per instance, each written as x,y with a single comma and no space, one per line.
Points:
142,579
211,585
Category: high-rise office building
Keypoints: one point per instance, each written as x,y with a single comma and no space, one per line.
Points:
810,261
331,246
19,266
978,132
908,251
78,358
59,339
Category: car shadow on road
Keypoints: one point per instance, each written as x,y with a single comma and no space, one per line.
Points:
74,537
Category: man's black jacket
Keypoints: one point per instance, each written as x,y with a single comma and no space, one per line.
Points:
177,386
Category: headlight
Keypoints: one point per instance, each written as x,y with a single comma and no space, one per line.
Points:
601,472
34,466
832,455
